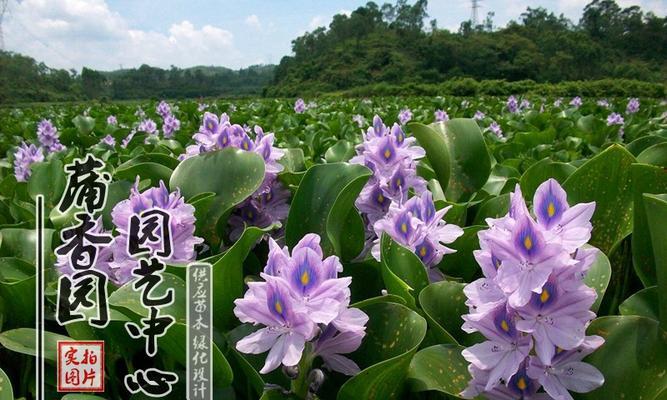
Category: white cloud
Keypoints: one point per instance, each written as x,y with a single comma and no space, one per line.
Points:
253,22
74,33
317,21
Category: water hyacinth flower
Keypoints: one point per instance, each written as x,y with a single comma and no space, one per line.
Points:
182,227
604,103
576,102
171,124
163,109
26,155
47,134
148,125
440,116
615,119
111,120
201,107
301,300
404,116
495,129
299,106
359,120
108,141
479,115
633,106
512,104
393,159
525,104
417,226
558,102
532,304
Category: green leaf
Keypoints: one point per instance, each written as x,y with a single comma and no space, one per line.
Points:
462,264
21,243
117,192
84,124
323,203
228,277
444,303
340,152
47,179
605,179
402,271
79,396
22,340
644,303
654,155
495,207
439,368
6,390
633,358
539,172
598,277
656,207
393,334
435,145
232,174
17,287
468,155
147,170
638,145
645,179
128,298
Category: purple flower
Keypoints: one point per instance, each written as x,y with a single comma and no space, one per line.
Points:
633,106
604,103
262,210
404,116
440,116
576,102
148,125
26,155
182,227
48,137
299,106
111,120
417,226
163,109
479,115
615,119
512,104
359,120
496,129
108,140
126,141
533,294
201,107
393,159
171,125
301,300
525,104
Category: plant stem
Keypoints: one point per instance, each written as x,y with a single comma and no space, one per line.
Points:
300,385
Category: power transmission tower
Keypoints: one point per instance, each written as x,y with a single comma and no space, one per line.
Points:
474,20
3,9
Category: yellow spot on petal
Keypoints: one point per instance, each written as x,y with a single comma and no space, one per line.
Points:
404,227
544,296
387,153
245,145
305,278
521,384
551,210
278,306
505,326
380,198
422,251
528,243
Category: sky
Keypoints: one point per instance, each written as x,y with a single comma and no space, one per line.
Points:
110,34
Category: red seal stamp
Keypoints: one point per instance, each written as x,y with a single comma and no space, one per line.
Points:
80,366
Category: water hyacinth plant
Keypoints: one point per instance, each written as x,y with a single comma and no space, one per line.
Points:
532,305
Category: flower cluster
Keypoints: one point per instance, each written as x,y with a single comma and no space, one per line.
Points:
301,300
108,141
512,104
111,120
440,116
633,106
268,205
26,155
359,120
170,123
149,126
47,134
604,103
525,104
393,159
299,106
495,129
615,119
404,116
479,115
532,297
576,102
417,226
558,102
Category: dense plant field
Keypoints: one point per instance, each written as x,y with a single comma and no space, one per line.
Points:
363,249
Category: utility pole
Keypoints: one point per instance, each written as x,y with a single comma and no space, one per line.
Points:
474,20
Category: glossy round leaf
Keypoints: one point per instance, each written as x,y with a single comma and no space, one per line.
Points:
437,153
439,368
539,172
644,303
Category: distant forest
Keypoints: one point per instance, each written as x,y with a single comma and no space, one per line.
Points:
391,44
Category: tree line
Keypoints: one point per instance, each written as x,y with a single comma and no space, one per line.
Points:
395,44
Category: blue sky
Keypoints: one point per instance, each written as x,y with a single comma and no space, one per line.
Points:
106,34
